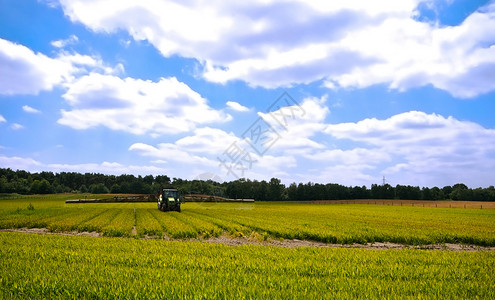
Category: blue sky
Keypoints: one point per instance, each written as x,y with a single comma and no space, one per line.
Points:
338,91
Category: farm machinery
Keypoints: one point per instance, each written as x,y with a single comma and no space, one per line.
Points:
169,200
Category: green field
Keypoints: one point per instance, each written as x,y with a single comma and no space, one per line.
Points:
341,224
55,266
140,264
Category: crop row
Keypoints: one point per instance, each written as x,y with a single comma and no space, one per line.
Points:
325,223
54,266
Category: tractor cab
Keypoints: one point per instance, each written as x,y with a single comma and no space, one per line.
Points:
169,200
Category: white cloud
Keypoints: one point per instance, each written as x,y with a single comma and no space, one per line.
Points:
408,54
214,150
206,147
136,106
30,110
111,168
423,149
51,3
2,119
207,140
20,163
236,106
200,149
409,148
71,40
295,124
171,152
341,173
16,126
356,156
26,72
345,43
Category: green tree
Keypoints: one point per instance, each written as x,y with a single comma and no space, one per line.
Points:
41,187
382,191
83,189
98,188
261,191
461,192
447,190
275,190
5,186
115,189
437,193
292,192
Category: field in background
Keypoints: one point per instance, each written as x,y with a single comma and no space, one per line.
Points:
342,224
415,203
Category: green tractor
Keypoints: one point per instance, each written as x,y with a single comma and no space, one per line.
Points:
169,200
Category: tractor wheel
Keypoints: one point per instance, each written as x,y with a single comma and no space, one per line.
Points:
162,208
178,208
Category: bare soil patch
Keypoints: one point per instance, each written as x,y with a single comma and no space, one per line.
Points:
377,246
46,231
239,241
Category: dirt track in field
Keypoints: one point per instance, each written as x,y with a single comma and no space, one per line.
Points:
377,246
46,231
226,240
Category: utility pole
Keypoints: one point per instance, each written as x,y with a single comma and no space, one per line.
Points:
384,180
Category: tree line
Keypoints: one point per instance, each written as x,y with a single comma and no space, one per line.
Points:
23,182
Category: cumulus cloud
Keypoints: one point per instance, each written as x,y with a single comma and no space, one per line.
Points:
26,72
172,152
136,106
344,43
110,168
30,110
214,150
245,155
19,163
236,106
356,156
459,59
342,173
190,149
422,148
199,149
292,125
71,40
409,148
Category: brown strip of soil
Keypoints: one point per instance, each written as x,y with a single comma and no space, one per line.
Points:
226,240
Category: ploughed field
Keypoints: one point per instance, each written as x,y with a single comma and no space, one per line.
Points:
160,255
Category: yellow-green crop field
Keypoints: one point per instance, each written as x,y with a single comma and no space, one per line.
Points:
341,224
131,267
79,267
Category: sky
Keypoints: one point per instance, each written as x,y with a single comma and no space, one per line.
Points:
346,92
